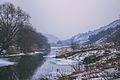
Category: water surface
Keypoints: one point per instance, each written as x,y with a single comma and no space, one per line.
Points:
33,67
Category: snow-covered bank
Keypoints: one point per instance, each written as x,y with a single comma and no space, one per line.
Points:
92,64
22,54
63,62
4,62
98,65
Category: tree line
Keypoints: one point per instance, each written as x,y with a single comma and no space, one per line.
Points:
16,30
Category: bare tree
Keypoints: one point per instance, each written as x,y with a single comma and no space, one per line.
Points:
11,19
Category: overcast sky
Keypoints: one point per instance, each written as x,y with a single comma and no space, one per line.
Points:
65,18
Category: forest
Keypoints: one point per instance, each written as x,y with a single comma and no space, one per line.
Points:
17,32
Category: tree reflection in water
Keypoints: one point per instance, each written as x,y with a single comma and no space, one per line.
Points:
23,70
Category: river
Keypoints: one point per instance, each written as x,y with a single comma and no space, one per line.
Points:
34,67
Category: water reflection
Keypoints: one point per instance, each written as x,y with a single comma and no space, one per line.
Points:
8,73
23,70
50,70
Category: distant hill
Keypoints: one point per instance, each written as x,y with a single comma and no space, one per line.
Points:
114,36
52,38
109,35
84,37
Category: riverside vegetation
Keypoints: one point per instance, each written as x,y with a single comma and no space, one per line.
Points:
17,32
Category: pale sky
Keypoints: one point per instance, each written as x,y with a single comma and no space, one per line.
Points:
65,18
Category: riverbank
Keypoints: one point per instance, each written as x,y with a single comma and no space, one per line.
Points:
94,63
53,67
21,66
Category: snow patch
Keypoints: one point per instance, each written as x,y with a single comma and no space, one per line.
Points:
5,63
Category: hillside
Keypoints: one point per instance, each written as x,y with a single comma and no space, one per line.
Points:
99,58
105,35
52,38
84,37
93,64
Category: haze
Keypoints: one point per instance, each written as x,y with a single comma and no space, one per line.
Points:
65,18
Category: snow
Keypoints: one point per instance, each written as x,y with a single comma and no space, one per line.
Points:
111,70
12,55
53,74
83,37
38,52
64,62
65,65
53,67
50,69
100,73
49,56
22,54
5,63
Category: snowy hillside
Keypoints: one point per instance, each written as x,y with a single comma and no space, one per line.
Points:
94,62
83,37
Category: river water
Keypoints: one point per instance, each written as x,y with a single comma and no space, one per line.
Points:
34,67
50,68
